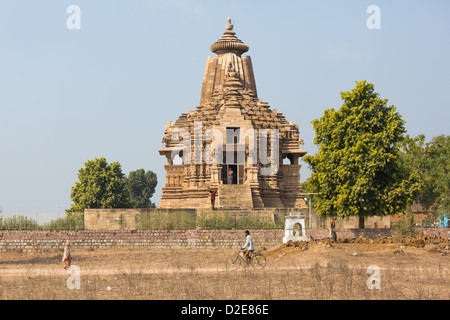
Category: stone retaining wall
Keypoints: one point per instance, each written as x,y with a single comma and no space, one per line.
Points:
153,239
134,239
351,233
128,219
374,233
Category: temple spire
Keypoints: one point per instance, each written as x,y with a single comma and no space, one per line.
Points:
229,42
229,50
231,87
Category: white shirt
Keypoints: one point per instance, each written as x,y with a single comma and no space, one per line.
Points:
249,243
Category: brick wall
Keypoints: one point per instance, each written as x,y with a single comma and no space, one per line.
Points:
134,239
440,232
350,233
351,222
374,233
153,239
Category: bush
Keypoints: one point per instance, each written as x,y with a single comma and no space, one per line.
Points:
256,222
405,227
18,223
214,220
180,220
72,221
166,221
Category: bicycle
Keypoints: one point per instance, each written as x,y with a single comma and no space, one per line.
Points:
257,261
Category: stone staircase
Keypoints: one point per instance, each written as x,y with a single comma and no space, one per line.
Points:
234,196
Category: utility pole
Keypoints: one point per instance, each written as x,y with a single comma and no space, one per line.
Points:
309,202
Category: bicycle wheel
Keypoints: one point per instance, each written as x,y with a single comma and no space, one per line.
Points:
232,263
258,261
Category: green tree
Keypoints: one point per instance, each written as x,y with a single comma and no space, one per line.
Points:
140,186
101,185
431,162
414,154
358,170
438,162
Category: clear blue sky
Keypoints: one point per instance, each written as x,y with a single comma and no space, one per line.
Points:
108,89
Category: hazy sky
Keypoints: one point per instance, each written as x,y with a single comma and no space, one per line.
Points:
109,88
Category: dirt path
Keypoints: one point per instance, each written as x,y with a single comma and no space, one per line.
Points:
114,262
130,271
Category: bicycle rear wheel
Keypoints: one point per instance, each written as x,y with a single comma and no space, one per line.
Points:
232,263
258,261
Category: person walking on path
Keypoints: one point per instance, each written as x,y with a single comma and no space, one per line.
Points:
67,258
249,247
213,194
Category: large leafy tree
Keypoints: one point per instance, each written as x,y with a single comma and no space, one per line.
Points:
101,185
414,153
358,170
140,186
439,167
431,163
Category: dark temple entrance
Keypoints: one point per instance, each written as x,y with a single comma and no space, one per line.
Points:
238,173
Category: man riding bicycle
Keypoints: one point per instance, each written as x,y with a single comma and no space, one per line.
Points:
251,257
249,247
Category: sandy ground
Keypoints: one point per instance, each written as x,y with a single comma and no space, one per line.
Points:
278,257
409,273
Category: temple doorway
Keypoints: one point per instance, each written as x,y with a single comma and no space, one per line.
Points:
237,173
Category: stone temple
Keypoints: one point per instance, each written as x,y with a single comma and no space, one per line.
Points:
233,142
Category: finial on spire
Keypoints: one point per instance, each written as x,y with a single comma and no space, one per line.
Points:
229,42
229,26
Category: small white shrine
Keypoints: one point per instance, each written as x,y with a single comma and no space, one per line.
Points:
295,223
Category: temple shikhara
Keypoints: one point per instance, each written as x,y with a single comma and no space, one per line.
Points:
233,142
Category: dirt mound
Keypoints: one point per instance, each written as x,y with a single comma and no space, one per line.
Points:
417,242
421,241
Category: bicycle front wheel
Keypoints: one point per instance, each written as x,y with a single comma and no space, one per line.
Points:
232,263
259,261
